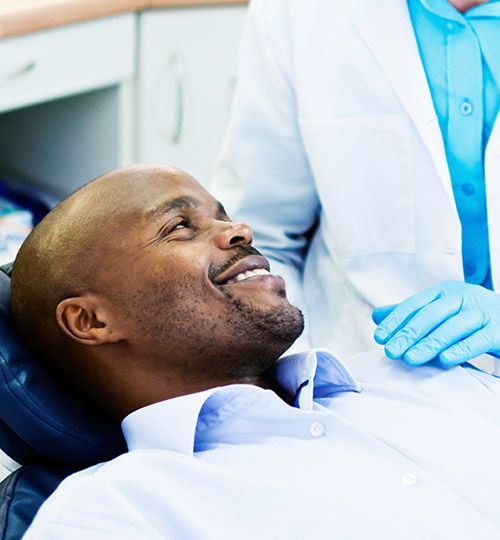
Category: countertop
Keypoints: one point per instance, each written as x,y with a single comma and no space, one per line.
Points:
23,16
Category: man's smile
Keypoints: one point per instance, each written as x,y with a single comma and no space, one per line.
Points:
251,267
249,274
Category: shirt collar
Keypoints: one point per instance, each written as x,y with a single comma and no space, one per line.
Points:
443,11
490,9
317,373
446,12
171,424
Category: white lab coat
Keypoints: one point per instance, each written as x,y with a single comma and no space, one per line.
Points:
333,120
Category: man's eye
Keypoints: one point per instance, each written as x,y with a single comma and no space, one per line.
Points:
171,228
177,225
182,225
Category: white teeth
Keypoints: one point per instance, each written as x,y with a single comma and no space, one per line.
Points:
249,274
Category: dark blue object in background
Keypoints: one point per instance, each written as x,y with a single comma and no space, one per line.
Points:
28,198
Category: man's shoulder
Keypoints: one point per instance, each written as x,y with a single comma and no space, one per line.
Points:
127,470
88,502
71,487
89,487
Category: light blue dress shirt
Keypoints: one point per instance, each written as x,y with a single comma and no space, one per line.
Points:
399,453
461,57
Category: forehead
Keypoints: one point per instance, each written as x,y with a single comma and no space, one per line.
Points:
133,194
176,191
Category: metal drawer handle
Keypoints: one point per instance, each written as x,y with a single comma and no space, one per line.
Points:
177,67
24,70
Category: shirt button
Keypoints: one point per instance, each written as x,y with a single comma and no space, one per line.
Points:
316,429
450,26
470,268
468,189
466,107
409,479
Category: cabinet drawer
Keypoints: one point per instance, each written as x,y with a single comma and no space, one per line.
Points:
46,65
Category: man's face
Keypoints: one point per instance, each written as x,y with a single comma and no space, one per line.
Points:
187,281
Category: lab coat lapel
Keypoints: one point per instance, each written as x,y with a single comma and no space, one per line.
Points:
386,27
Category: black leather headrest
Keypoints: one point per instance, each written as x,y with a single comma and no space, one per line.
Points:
42,419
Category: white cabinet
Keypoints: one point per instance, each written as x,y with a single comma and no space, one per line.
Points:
187,73
66,102
78,100
63,61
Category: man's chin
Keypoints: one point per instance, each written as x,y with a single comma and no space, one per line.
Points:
291,325
282,323
265,309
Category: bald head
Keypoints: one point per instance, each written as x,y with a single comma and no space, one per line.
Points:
69,252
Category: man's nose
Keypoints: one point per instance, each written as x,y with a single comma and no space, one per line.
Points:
232,234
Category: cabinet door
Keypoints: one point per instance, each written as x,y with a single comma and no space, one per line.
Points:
187,73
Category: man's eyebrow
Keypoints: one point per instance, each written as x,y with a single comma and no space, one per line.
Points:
172,204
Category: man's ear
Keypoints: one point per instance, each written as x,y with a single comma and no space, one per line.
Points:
86,320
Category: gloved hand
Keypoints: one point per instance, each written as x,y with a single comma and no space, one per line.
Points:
455,321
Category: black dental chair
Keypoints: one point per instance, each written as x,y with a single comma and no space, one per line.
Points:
43,425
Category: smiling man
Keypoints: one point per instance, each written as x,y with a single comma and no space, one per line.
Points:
147,264
140,291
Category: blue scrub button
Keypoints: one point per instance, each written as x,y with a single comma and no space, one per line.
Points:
450,26
466,107
470,268
468,189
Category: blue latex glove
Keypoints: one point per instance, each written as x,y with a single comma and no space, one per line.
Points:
454,321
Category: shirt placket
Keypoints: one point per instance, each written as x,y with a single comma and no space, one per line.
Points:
464,146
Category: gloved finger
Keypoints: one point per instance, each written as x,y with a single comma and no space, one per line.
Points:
380,313
453,330
402,313
471,347
422,323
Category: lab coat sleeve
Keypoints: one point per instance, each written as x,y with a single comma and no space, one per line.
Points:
263,177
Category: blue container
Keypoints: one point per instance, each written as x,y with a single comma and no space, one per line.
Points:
21,208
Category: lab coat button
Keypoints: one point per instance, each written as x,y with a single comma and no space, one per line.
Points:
468,189
470,268
466,107
316,429
409,479
450,26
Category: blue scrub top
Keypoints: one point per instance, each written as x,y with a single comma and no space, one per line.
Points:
461,57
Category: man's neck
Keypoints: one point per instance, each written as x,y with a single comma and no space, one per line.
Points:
148,386
464,5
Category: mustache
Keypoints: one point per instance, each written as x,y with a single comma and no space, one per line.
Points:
240,253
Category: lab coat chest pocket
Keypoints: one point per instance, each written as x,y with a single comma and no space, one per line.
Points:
362,167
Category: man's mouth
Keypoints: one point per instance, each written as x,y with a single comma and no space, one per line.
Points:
249,274
248,267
